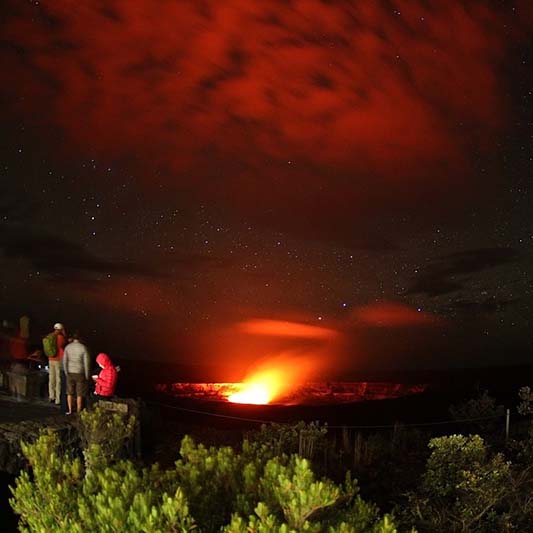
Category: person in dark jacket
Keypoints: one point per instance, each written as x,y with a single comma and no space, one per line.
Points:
107,379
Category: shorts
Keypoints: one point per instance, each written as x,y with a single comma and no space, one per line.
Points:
77,385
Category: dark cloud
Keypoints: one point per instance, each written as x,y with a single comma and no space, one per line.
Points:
485,307
451,273
477,260
186,262
59,258
64,261
12,210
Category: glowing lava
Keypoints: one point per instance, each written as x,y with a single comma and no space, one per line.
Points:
309,393
261,388
255,393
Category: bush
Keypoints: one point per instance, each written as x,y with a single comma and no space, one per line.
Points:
526,401
482,414
62,494
301,438
209,489
104,435
462,488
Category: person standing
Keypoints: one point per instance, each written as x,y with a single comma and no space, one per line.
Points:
54,346
76,367
106,380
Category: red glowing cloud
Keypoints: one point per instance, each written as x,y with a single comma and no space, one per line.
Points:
255,94
281,328
391,314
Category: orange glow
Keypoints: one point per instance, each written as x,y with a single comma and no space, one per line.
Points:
276,378
310,393
393,314
253,393
283,328
261,388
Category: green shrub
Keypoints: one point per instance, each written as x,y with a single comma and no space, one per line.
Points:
209,489
104,435
63,495
463,487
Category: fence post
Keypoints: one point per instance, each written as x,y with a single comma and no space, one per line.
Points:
507,417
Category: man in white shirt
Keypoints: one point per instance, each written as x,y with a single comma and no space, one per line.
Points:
76,367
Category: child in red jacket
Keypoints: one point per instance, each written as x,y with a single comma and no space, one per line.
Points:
107,379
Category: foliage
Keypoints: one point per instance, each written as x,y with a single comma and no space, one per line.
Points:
105,434
253,490
301,498
526,401
301,438
61,496
480,407
482,411
45,501
523,448
211,478
265,486
295,490
387,464
521,489
462,488
264,522
275,492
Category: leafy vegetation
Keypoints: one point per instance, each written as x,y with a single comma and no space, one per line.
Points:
209,489
483,412
462,487
275,482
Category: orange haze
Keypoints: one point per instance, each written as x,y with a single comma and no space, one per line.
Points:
276,377
282,328
392,314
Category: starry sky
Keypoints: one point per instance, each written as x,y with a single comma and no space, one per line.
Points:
202,181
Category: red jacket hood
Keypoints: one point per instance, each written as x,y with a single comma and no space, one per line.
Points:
103,359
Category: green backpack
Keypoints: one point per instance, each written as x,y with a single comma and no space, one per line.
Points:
50,345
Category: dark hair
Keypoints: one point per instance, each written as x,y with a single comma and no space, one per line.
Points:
75,336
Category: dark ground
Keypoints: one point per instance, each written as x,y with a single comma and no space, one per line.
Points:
13,410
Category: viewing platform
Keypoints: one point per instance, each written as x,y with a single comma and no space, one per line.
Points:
23,420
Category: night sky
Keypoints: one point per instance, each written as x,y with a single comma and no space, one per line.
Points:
180,179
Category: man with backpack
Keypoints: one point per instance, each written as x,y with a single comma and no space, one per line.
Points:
53,347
